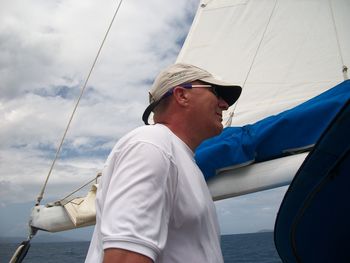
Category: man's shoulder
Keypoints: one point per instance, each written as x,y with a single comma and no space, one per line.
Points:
149,132
158,135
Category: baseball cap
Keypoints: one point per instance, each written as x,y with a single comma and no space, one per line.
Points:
181,73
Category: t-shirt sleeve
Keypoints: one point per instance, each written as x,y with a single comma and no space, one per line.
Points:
138,201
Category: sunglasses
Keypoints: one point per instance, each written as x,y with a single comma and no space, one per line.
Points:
211,88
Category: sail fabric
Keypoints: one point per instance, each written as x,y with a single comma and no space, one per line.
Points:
82,210
282,52
273,137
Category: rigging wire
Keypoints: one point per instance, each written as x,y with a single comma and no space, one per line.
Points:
90,181
229,121
344,67
23,248
40,197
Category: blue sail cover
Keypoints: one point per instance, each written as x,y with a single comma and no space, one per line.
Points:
312,224
273,137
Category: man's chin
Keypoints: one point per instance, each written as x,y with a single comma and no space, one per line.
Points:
218,130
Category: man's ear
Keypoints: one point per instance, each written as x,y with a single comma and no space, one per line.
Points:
181,95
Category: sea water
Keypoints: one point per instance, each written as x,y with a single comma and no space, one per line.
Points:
242,248
249,248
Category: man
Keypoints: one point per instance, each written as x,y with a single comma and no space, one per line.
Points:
153,204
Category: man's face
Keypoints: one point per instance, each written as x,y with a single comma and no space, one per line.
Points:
207,110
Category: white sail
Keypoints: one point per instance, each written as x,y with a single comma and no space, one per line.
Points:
282,52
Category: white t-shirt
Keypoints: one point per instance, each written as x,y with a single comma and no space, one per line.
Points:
153,200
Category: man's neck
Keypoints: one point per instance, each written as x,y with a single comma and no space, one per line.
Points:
186,135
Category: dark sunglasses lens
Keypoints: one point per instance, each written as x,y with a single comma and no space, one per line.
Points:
214,91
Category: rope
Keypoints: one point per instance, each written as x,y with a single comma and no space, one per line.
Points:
40,197
229,121
344,67
94,179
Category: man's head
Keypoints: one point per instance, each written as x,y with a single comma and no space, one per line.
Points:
181,74
190,101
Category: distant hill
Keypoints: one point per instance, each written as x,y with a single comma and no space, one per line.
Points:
265,230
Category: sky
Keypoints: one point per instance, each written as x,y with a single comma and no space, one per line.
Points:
46,51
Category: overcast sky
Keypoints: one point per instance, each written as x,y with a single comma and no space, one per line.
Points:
46,49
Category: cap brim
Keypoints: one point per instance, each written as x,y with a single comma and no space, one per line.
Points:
230,94
228,91
147,112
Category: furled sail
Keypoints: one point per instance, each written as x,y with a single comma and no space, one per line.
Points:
282,52
287,133
66,214
82,211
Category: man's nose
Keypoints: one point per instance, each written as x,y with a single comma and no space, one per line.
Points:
222,104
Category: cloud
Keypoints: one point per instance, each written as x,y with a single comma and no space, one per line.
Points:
46,50
22,63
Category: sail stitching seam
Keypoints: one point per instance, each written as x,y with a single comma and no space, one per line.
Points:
344,68
251,65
